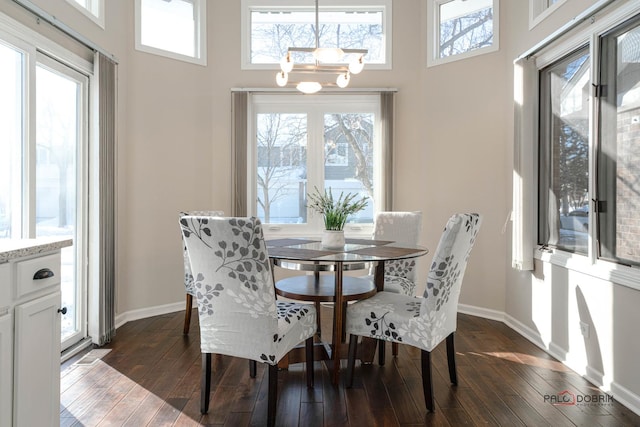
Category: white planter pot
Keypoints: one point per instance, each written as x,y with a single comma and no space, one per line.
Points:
333,239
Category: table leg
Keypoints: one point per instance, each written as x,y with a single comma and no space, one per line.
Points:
338,313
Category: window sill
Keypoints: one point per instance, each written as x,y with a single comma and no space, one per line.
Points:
604,270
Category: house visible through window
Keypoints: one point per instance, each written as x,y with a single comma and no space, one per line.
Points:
458,29
175,28
589,164
618,195
564,153
304,142
269,28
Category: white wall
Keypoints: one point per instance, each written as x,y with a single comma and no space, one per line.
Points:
453,153
548,304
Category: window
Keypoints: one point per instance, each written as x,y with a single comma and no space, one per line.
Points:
270,27
540,9
94,9
460,29
618,186
564,153
589,145
303,142
175,29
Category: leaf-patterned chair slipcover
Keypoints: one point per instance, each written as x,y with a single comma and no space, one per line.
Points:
421,322
239,315
188,277
400,227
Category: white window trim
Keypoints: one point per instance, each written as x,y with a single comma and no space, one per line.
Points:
588,32
247,6
296,103
538,12
97,19
433,35
200,7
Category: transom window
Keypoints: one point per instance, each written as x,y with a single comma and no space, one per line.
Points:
270,27
94,9
540,9
459,29
175,29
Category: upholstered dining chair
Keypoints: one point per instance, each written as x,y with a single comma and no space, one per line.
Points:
399,275
400,227
426,321
239,315
188,277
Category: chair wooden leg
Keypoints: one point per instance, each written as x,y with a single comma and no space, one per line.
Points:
187,314
318,307
272,398
205,383
381,352
394,349
427,384
351,362
252,368
309,359
451,358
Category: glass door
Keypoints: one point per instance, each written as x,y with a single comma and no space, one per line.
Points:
43,158
59,208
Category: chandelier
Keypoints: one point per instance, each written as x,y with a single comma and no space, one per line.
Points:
326,62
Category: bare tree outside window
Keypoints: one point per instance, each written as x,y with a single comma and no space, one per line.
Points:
467,32
282,141
272,33
356,130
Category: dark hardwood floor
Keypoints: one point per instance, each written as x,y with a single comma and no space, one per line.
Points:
151,377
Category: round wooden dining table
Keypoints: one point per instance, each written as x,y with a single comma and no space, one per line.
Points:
309,256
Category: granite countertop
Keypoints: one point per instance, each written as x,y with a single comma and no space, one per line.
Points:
18,248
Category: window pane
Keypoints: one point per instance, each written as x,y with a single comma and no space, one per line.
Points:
282,168
169,25
273,32
348,151
465,25
564,153
11,142
57,124
619,155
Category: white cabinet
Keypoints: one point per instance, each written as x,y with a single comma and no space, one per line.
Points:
36,370
6,369
30,340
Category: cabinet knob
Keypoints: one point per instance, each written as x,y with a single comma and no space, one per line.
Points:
62,310
43,273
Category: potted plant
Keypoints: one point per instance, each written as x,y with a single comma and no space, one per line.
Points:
335,213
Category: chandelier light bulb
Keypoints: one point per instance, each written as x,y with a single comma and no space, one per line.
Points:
343,80
328,54
286,64
356,66
309,87
282,78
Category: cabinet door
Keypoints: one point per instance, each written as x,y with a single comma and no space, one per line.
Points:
6,368
37,362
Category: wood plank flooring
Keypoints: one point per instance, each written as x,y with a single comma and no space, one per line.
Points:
151,377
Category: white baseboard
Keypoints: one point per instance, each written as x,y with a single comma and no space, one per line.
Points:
485,313
620,394
143,313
